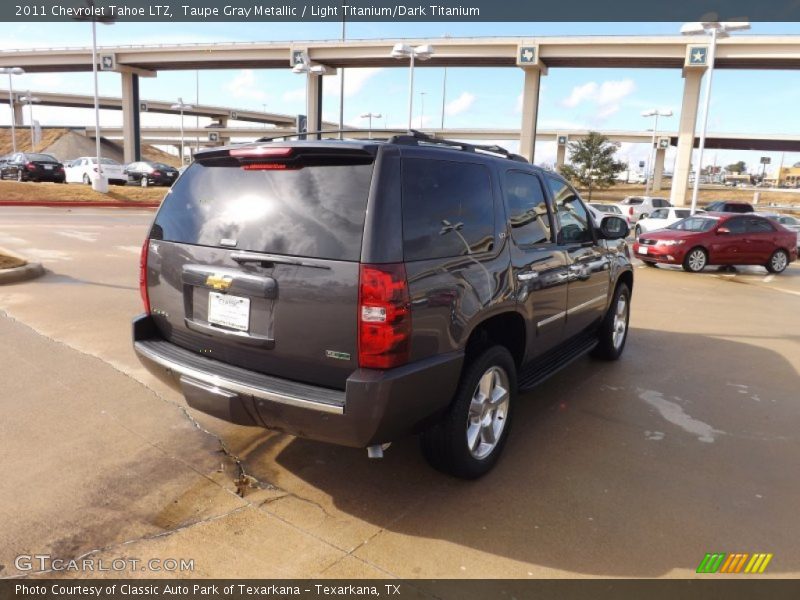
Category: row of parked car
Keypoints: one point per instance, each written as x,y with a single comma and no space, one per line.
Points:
724,233
33,166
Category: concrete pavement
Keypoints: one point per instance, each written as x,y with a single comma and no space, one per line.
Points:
638,468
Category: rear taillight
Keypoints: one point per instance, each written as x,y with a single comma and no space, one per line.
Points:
143,276
30,167
384,317
156,173
630,211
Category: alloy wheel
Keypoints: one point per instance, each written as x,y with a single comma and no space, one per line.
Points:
486,419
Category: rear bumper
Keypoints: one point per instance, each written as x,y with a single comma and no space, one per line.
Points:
375,407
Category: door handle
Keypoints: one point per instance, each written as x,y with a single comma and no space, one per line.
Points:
528,276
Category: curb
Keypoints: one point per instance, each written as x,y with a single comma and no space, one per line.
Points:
23,273
81,204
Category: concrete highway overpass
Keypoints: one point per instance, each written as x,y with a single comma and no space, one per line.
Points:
541,54
220,114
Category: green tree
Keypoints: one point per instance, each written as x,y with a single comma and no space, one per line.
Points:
592,163
737,167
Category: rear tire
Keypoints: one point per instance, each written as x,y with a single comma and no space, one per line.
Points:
637,231
696,260
614,329
778,262
143,182
19,177
469,439
86,179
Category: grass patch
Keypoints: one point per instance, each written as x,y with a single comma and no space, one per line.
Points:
30,191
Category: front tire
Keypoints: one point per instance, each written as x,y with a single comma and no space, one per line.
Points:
86,179
637,231
614,329
19,177
469,439
778,262
696,260
143,182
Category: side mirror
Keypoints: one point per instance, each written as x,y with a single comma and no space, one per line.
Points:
723,231
614,228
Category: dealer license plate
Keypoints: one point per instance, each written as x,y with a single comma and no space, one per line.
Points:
642,249
229,311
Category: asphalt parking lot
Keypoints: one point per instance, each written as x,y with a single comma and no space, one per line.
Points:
687,445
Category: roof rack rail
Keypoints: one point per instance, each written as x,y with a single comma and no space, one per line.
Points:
327,132
414,136
408,137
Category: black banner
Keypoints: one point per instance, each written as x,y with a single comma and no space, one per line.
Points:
402,10
709,588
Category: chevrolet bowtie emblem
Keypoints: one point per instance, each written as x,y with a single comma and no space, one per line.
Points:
219,282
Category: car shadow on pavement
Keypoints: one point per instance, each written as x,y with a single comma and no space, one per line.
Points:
687,445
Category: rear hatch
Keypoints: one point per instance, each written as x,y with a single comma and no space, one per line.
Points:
254,258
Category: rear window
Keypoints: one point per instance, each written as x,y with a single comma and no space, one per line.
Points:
632,201
315,212
41,157
448,209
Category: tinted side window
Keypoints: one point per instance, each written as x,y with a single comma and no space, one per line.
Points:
759,226
448,209
736,225
526,206
659,214
573,218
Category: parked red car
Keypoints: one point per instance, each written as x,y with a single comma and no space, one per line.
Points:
719,239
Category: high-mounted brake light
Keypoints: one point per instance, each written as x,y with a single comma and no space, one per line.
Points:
261,152
384,316
143,276
266,167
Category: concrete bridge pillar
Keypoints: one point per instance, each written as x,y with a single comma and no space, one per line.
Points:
314,103
530,111
18,118
683,161
131,127
561,156
658,169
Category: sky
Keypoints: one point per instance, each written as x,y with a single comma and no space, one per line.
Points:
600,99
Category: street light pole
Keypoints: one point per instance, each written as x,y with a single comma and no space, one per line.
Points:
444,95
12,71
423,52
712,51
370,116
180,105
650,158
421,108
30,100
717,30
99,183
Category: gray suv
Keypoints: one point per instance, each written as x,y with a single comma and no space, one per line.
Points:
355,292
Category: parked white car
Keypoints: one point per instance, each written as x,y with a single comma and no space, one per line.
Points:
638,207
659,219
791,223
83,169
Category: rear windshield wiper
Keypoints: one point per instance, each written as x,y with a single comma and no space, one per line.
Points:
257,257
